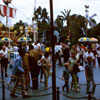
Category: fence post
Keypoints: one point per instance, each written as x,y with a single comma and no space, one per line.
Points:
58,94
3,84
89,95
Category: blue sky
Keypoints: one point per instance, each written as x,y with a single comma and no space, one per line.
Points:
25,8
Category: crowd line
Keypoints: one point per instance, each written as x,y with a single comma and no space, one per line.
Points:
34,61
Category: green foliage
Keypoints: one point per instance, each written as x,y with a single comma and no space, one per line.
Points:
16,27
41,15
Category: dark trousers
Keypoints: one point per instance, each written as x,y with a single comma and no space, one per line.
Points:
66,59
66,85
4,64
34,77
88,86
41,72
58,57
98,61
81,60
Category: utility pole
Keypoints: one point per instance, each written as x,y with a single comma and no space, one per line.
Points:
86,16
53,57
34,22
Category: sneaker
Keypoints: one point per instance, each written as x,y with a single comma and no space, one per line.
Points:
13,95
77,90
72,89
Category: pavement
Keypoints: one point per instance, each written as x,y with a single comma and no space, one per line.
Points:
42,90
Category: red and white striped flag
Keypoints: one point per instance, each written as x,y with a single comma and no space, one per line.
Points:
7,11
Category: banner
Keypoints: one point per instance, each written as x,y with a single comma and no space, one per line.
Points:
7,11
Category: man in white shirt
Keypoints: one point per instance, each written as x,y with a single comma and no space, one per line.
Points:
87,54
57,51
4,59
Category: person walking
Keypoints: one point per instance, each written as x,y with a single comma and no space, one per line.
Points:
19,74
65,77
71,62
46,68
26,69
89,75
57,51
33,58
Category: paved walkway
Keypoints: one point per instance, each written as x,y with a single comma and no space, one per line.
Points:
59,83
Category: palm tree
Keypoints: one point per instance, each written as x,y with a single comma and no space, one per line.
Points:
66,17
91,21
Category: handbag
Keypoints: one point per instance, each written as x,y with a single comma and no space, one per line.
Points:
81,68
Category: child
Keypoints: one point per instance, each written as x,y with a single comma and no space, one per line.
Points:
89,75
65,76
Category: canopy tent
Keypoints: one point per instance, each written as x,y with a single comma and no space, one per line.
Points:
84,39
24,39
5,39
93,39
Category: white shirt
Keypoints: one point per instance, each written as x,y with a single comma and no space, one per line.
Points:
5,53
88,54
15,48
57,48
98,53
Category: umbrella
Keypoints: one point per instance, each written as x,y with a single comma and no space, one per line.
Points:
24,39
84,39
5,39
93,39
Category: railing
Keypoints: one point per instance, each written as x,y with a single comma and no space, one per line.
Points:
7,86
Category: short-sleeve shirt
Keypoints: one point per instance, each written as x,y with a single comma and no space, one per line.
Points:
72,62
66,74
89,70
4,53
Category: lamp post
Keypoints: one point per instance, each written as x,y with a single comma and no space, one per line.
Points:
34,22
26,31
7,3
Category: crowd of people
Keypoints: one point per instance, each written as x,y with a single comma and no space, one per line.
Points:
35,59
